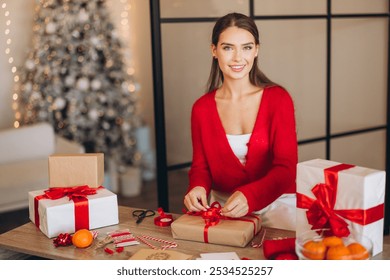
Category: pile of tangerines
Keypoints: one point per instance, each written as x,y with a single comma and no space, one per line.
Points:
333,248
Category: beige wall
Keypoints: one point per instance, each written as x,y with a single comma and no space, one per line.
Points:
293,53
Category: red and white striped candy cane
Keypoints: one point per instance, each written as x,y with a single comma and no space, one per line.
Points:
170,244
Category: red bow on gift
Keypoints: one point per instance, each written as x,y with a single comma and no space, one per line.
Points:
71,192
321,212
212,216
77,194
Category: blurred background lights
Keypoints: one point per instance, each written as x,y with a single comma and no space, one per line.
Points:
11,60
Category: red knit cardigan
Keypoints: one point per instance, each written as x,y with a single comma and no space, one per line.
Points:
270,168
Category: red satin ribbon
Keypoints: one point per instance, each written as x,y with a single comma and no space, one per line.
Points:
164,219
212,216
321,212
77,194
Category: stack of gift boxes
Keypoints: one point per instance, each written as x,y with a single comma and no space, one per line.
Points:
346,198
75,198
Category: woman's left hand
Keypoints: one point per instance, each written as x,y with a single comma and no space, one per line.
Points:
236,206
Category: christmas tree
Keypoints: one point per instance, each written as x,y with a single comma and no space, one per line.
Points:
74,77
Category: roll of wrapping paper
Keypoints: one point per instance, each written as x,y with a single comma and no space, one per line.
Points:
164,219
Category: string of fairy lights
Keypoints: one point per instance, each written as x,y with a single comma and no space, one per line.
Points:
125,32
11,60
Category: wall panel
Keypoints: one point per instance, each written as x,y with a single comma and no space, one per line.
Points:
202,8
293,53
366,149
289,7
359,6
359,73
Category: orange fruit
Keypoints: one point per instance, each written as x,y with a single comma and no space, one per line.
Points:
82,238
338,252
358,251
314,250
331,241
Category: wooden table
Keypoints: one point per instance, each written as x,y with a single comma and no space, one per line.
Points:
30,240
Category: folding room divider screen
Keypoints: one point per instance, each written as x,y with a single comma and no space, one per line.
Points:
332,56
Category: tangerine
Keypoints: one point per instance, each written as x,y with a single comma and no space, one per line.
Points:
358,251
338,252
82,238
331,241
314,250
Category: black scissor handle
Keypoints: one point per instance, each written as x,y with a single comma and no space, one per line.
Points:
141,214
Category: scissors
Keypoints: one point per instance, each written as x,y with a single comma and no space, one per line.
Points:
141,214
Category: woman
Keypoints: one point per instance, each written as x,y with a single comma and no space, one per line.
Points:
243,133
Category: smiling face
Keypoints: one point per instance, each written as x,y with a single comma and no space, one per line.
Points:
236,51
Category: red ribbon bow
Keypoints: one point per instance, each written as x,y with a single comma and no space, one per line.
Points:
71,192
77,194
212,216
321,212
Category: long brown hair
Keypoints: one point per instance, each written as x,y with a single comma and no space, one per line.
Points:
256,77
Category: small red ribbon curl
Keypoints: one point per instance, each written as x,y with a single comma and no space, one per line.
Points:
63,239
321,212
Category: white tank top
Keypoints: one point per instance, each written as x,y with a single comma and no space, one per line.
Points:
238,144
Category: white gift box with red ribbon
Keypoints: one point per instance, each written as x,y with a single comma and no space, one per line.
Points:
66,210
345,198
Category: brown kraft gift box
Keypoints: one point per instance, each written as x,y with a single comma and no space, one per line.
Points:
72,170
227,232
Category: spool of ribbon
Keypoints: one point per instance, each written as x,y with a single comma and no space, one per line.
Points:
163,220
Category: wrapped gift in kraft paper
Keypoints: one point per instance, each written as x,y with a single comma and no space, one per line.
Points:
71,170
66,210
210,227
343,197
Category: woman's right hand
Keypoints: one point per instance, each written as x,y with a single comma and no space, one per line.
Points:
196,200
